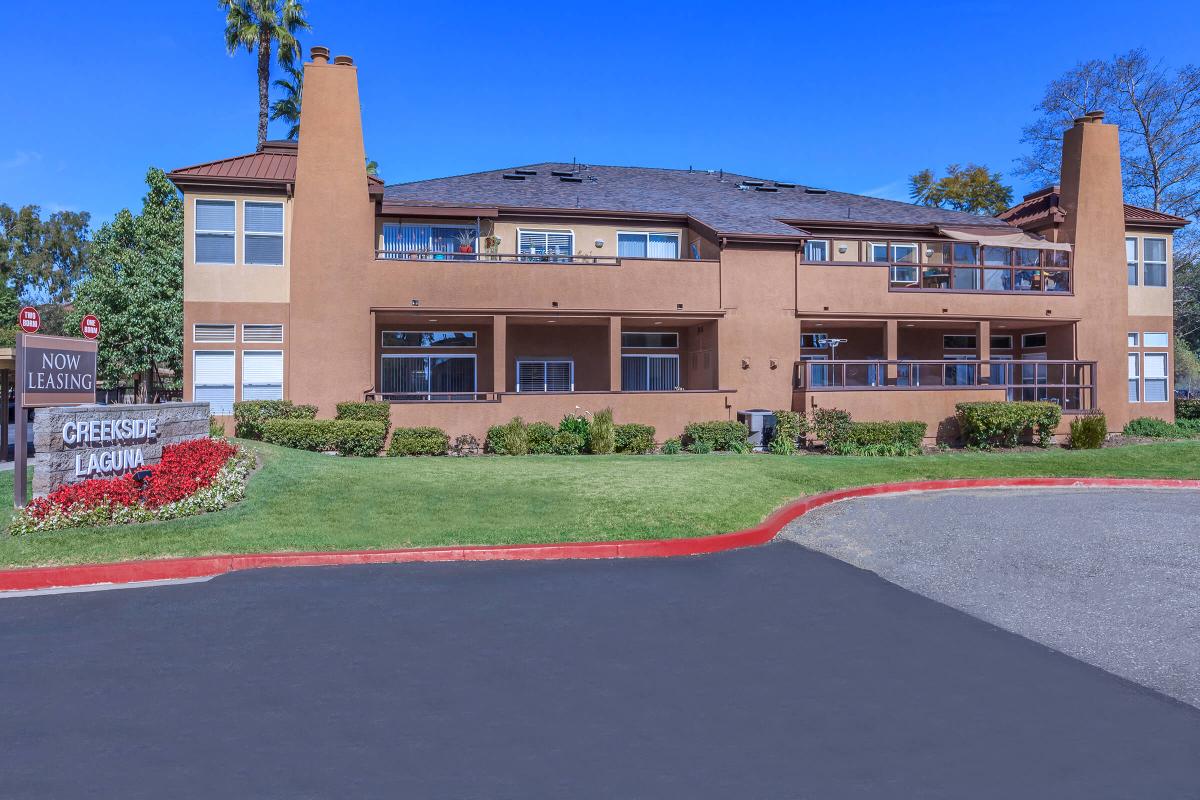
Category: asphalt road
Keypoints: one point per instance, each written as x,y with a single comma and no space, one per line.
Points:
1111,576
774,672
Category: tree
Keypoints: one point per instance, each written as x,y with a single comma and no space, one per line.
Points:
261,26
136,288
1187,366
971,188
1158,112
42,257
287,108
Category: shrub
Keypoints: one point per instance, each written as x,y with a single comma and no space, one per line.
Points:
1155,428
701,447
634,438
216,428
366,411
509,439
1191,427
346,437
541,437
576,423
831,426
567,443
419,442
672,447
602,434
250,415
1088,431
1187,409
720,434
998,423
880,439
465,445
789,427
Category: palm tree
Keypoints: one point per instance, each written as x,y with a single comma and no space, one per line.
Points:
260,26
287,108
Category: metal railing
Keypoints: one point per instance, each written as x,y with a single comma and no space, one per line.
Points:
497,258
432,397
1071,384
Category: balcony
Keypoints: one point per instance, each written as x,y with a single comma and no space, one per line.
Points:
495,258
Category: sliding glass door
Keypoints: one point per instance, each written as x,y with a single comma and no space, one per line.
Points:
432,377
649,373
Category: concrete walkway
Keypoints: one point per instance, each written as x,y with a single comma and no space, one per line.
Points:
1110,576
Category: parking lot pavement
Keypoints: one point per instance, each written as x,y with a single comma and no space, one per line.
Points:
1111,576
773,672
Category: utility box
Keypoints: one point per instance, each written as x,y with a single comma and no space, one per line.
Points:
761,423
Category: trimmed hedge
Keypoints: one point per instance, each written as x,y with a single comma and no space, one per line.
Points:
1161,429
1001,424
1088,432
831,426
249,416
540,436
634,438
902,438
509,439
718,434
366,411
419,442
346,437
1187,409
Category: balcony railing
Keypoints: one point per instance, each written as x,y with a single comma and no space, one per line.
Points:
1071,384
496,258
432,397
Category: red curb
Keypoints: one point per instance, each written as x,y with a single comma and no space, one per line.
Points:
206,566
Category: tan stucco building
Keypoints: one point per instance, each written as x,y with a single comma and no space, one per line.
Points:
667,295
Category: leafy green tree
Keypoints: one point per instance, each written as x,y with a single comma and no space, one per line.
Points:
287,107
971,188
1187,366
263,27
41,257
136,289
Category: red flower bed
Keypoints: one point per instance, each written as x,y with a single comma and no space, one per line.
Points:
184,468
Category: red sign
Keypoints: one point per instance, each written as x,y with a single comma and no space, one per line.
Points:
90,326
29,319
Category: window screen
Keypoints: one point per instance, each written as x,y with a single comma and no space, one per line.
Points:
262,375
545,376
215,231
263,226
212,380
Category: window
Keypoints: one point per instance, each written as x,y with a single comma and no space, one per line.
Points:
1001,342
966,279
816,250
428,339
1155,340
904,277
649,373
550,375
1133,339
958,374
958,342
812,341
437,242
263,227
1154,263
1135,394
212,380
215,231
1033,340
1131,259
440,377
636,340
546,243
262,375
647,245
1155,378
904,253
262,334
205,332
997,256
935,277
877,252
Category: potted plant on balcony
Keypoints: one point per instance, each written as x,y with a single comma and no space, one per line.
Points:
466,241
491,245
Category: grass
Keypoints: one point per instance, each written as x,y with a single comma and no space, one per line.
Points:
307,501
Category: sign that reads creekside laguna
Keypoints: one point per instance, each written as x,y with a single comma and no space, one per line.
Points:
57,370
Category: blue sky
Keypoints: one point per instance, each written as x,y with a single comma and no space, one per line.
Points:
852,96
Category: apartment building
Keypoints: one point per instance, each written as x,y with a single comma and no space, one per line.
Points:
668,295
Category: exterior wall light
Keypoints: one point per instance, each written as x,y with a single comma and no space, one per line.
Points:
842,248
599,243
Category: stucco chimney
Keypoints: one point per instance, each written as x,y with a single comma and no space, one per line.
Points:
319,55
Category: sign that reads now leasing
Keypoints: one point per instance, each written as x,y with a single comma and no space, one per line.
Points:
57,370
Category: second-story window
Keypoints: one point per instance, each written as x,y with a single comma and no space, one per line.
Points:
263,230
816,250
545,243
216,234
1154,262
899,255
1131,259
637,244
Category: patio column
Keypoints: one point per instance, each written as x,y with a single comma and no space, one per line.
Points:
983,341
4,387
614,354
499,353
891,347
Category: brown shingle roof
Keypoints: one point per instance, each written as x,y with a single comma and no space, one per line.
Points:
1042,207
275,164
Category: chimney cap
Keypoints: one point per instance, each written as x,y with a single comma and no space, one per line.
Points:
319,54
1098,116
344,61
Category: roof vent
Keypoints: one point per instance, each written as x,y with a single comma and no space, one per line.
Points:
754,183
508,176
525,171
782,185
810,190
570,179
561,173
766,188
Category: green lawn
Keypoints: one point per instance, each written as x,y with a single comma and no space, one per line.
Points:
307,501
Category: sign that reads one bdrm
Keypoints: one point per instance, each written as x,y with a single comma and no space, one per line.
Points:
57,370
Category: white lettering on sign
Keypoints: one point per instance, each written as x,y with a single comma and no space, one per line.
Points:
101,432
108,462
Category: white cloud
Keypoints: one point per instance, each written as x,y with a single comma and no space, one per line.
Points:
896,190
21,159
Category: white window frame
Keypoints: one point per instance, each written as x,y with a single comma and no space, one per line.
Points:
196,231
1166,340
1133,264
421,353
544,361
1025,336
1164,263
649,357
645,333
233,385
916,253
246,234
427,252
826,242
1165,378
1135,376
263,325
254,351
647,234
1133,339
232,327
871,253
545,231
